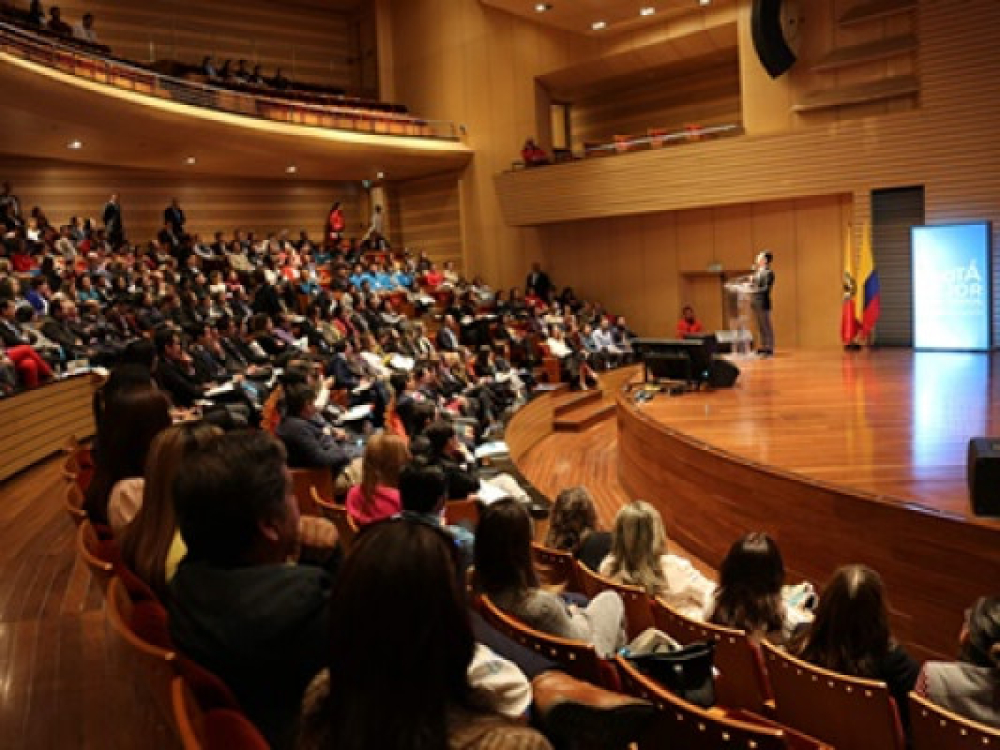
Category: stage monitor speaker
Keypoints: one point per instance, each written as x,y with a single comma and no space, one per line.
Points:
984,476
769,37
722,373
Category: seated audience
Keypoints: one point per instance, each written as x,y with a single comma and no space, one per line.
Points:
150,544
970,686
851,635
749,596
573,528
56,25
130,422
639,558
423,492
446,452
84,31
688,323
404,569
236,606
506,574
309,440
377,497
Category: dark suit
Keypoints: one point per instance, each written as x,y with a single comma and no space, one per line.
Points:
178,382
309,446
113,223
447,341
175,218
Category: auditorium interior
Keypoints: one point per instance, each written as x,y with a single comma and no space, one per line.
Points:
667,285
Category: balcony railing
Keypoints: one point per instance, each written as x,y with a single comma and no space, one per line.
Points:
630,144
91,64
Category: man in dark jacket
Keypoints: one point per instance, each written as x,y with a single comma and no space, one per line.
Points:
236,606
309,440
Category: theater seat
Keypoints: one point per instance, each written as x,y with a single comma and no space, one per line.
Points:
99,554
555,567
638,616
936,728
214,728
346,530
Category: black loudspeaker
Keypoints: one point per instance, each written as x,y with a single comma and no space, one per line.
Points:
984,476
722,373
769,37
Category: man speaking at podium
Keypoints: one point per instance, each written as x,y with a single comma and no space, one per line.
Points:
762,283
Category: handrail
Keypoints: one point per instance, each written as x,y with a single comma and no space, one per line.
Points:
122,74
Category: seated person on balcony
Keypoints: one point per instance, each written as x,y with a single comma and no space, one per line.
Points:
256,78
688,323
242,75
279,81
533,155
56,25
208,67
84,31
226,71
35,13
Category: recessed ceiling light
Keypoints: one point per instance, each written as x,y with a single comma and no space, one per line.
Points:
190,160
649,10
75,145
380,175
704,2
599,25
542,7
291,169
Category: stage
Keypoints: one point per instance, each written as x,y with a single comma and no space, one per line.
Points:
843,457
893,423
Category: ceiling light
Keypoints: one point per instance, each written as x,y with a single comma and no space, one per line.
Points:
291,169
649,10
75,145
542,7
599,25
704,2
380,175
190,160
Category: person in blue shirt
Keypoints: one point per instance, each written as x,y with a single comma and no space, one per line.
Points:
400,278
360,275
381,281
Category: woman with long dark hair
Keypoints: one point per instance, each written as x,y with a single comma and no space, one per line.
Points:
130,422
506,574
400,648
749,594
573,527
851,634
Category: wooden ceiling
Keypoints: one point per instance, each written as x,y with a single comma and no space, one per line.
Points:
43,111
579,15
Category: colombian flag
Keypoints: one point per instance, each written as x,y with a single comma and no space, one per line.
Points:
849,325
867,301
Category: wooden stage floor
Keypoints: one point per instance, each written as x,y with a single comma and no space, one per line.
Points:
894,423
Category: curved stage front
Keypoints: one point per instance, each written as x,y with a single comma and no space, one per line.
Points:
843,458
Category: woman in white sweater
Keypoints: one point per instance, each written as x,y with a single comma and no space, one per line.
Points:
639,558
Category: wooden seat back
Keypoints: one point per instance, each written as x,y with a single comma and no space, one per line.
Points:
304,480
555,567
683,725
214,729
346,530
742,680
576,657
638,616
74,499
139,661
456,511
90,549
936,728
851,713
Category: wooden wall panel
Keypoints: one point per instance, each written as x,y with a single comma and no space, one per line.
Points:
710,96
428,217
636,266
313,44
66,189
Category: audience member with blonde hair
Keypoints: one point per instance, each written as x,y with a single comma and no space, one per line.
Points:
573,527
377,497
639,558
151,546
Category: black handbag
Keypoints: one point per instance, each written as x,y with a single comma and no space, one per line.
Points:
687,672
